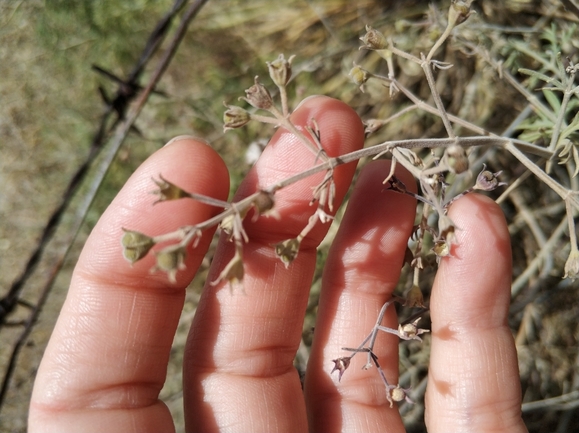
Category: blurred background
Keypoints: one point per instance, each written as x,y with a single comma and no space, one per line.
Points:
71,72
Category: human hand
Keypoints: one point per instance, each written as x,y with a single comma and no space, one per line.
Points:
107,358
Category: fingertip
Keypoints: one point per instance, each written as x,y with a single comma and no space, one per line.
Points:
190,138
477,276
340,132
187,162
338,121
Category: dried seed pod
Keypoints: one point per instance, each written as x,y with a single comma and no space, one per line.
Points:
414,297
446,229
341,365
170,260
287,250
459,12
359,76
168,191
258,96
233,271
373,39
136,245
280,70
488,181
397,394
235,117
264,202
456,159
441,248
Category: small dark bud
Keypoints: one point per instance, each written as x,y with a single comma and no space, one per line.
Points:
397,185
341,365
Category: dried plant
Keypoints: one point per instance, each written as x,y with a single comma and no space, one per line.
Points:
545,143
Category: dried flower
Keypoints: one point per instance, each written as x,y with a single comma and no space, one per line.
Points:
446,229
459,12
372,125
441,248
359,76
235,117
410,331
456,159
414,297
287,250
168,191
572,265
233,271
258,96
263,204
136,245
397,185
170,260
397,393
488,181
233,224
341,365
280,70
373,39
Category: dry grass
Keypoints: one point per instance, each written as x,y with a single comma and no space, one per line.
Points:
50,108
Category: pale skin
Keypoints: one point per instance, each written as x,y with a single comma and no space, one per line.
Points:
107,358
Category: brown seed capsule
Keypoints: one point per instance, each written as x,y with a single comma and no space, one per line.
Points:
414,297
258,96
341,365
373,39
264,202
488,181
235,117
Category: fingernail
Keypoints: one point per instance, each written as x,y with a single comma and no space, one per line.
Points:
185,137
306,99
